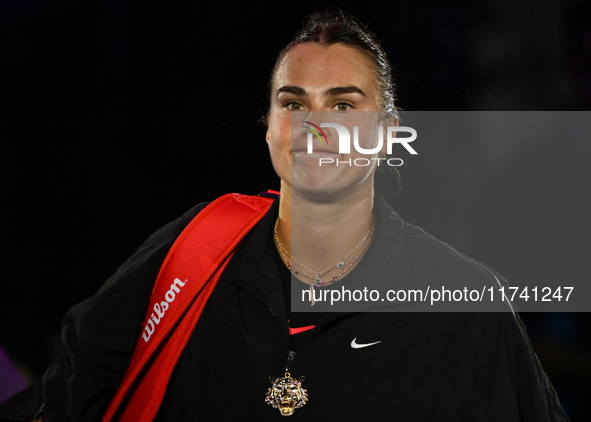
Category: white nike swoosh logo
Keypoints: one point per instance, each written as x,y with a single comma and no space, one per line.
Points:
356,345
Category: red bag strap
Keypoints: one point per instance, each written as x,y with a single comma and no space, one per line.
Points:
186,279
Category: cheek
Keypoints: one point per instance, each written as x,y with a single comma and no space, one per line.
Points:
272,140
279,133
278,140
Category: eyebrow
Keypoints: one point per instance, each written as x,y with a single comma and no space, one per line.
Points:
338,90
295,90
344,90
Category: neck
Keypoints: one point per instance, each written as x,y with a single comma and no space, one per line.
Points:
320,234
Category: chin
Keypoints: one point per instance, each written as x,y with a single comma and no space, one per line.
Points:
323,196
326,191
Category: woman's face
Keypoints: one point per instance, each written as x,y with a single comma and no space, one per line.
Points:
313,78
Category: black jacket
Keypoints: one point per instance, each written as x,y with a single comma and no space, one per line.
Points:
426,367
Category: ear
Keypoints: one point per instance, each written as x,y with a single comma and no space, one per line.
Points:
268,135
388,121
392,120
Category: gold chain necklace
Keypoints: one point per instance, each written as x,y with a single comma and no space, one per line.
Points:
316,278
286,393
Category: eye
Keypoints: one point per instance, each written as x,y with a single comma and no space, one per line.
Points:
293,106
343,107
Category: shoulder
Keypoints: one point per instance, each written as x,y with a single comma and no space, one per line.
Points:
148,258
432,259
130,285
101,332
449,279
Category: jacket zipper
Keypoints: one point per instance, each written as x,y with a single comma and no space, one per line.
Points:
290,357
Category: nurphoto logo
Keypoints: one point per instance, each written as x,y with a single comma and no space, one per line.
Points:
367,141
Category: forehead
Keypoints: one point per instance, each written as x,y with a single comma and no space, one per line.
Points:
312,65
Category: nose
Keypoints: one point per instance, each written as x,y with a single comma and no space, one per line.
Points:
313,128
313,124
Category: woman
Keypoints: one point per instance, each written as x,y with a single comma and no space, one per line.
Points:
326,229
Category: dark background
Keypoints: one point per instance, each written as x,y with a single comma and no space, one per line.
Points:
117,116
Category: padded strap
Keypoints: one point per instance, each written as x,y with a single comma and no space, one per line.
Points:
186,279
